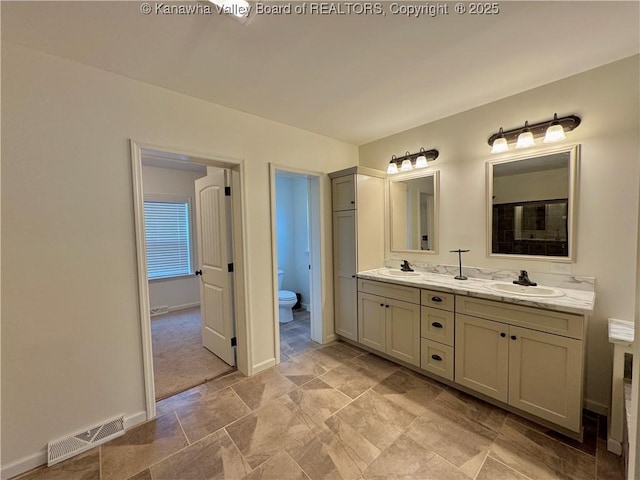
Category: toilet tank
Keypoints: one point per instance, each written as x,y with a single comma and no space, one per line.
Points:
280,275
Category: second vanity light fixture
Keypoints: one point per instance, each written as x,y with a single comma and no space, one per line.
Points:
553,131
421,158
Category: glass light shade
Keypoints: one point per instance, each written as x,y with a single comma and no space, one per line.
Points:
525,139
499,145
555,133
421,162
392,168
406,166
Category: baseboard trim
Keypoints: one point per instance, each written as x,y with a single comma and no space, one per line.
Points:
597,407
40,458
306,306
184,306
259,367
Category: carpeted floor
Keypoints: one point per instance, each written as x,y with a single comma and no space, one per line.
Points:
179,359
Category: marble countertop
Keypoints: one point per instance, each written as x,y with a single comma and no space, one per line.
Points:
573,301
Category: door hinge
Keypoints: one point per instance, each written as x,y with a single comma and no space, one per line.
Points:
230,267
227,191
234,342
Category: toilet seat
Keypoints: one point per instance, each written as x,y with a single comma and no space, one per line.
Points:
286,295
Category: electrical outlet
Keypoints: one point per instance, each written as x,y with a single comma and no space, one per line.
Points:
560,268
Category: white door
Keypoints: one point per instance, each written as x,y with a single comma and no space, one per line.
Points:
214,253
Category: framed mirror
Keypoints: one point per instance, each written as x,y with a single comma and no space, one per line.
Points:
531,205
413,212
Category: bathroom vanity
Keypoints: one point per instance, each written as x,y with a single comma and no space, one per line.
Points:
525,354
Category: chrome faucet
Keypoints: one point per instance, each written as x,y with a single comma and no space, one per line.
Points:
405,267
523,279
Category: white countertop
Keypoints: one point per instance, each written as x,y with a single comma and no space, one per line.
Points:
621,332
573,301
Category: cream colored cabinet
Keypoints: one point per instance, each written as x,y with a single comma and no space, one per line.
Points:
437,332
528,368
358,239
388,323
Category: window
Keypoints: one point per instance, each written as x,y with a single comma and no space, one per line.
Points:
168,237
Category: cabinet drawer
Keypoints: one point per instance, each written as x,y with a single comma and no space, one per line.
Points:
436,358
437,325
432,298
389,290
559,323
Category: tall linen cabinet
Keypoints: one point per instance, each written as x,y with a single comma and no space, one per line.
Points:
358,238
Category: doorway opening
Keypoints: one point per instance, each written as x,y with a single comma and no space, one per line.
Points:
296,260
189,235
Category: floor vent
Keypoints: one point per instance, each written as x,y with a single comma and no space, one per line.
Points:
159,310
82,441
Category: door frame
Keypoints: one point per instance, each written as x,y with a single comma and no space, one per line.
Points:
314,194
240,257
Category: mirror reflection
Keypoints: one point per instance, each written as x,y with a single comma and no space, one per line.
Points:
531,205
413,204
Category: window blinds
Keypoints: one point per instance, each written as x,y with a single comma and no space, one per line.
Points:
167,236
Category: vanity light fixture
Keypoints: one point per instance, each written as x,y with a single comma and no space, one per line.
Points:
553,131
406,162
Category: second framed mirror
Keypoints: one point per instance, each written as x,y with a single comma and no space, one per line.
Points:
413,212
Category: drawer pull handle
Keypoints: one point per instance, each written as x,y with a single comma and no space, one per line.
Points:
513,337
437,324
436,299
437,357
503,334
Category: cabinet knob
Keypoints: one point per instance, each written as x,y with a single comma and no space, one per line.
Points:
387,306
436,324
353,202
353,276
503,334
513,337
382,304
436,299
437,358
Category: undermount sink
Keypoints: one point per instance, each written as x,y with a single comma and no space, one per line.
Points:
398,273
524,290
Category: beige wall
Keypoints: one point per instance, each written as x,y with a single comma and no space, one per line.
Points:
183,291
71,341
607,100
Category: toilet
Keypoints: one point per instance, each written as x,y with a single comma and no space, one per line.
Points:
286,301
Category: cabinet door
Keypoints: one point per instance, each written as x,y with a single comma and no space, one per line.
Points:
482,356
403,331
344,193
545,376
344,268
371,321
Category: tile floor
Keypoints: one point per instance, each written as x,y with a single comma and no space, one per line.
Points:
335,412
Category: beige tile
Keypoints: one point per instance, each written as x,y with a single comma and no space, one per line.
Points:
475,409
454,437
267,431
279,467
379,367
409,392
141,447
256,391
361,450
318,400
325,457
212,457
406,459
609,466
538,456
300,370
169,404
144,475
221,383
377,419
332,355
494,470
85,466
206,415
350,379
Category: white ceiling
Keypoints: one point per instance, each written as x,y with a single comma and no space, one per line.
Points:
352,77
